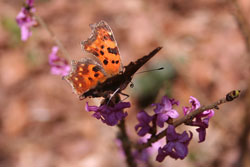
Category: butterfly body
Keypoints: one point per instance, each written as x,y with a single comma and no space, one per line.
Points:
104,74
119,81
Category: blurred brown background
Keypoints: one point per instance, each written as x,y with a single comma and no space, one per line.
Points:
43,124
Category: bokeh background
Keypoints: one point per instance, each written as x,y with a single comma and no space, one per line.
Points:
205,55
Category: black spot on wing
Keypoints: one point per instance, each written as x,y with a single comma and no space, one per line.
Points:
113,50
96,75
102,53
105,62
96,69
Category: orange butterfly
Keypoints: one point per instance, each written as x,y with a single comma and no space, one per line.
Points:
103,74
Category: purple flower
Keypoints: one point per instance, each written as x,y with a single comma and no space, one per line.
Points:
109,115
25,19
142,157
59,66
195,104
201,120
143,126
177,145
164,110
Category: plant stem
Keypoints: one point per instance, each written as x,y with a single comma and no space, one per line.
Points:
242,23
126,144
56,40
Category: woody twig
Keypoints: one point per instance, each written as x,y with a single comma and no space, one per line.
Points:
52,34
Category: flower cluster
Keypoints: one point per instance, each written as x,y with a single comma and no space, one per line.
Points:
163,112
59,66
176,144
143,127
201,120
25,19
109,115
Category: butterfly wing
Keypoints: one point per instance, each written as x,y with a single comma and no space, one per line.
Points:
102,44
84,75
119,81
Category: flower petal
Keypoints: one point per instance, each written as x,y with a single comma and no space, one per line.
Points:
161,155
143,126
173,113
171,133
195,103
181,150
91,108
109,115
202,134
59,66
161,119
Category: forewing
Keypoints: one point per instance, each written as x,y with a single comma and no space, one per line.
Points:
102,44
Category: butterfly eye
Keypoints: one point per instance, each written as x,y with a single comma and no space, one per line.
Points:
131,85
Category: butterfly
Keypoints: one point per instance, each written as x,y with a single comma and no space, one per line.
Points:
103,74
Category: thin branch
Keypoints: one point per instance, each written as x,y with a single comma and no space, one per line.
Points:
56,40
245,133
126,144
245,31
229,97
242,22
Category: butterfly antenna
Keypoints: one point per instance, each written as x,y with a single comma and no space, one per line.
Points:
132,84
161,68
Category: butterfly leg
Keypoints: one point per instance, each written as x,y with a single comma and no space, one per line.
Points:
127,96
